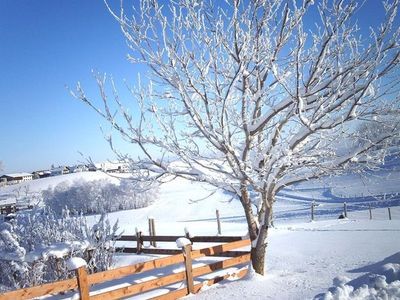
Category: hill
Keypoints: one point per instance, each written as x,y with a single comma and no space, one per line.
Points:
324,259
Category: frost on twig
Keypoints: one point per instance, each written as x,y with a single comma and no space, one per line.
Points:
251,98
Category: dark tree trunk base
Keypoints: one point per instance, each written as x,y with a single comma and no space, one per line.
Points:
258,259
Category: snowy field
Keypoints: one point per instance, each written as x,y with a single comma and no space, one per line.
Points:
305,259
328,258
9,193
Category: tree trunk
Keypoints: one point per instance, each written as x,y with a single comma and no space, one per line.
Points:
258,236
258,259
259,247
251,221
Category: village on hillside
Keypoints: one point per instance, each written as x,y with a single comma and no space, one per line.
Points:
21,197
109,167
200,149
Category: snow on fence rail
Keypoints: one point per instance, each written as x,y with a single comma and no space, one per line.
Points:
83,282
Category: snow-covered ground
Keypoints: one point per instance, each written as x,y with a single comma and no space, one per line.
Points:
305,260
41,184
9,193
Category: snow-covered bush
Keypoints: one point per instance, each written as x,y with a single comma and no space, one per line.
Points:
100,196
383,285
34,247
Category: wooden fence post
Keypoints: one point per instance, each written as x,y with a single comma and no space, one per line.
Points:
218,222
390,214
187,235
81,274
187,253
312,210
345,209
139,241
152,231
153,225
370,212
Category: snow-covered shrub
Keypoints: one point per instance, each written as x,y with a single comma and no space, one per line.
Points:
99,196
383,285
101,239
34,247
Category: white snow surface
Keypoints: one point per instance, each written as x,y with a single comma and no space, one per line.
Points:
41,184
303,258
379,286
74,263
9,193
182,242
352,258
306,261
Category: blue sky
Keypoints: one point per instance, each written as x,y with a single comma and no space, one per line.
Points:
44,46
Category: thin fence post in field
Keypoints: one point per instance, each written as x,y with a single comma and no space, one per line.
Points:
187,253
345,209
218,222
370,211
152,231
139,241
81,274
390,214
312,210
153,225
187,235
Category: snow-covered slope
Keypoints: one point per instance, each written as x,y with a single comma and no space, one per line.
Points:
326,258
44,183
304,259
185,204
8,193
307,260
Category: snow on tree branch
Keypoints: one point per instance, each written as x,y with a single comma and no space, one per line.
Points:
247,95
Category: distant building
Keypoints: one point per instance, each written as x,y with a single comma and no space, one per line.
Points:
60,171
113,167
16,177
78,168
92,167
41,174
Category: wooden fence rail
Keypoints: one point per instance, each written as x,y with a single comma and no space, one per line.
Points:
83,282
173,238
140,239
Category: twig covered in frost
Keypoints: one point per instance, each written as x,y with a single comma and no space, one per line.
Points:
250,97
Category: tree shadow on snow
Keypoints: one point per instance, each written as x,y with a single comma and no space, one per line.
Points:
370,271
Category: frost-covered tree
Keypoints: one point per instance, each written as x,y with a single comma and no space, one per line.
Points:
35,245
254,96
99,196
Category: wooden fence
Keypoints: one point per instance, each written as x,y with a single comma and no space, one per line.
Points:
83,282
8,209
139,240
343,213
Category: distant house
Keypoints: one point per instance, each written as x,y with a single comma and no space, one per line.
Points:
60,171
16,177
113,167
3,181
41,174
92,167
78,168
